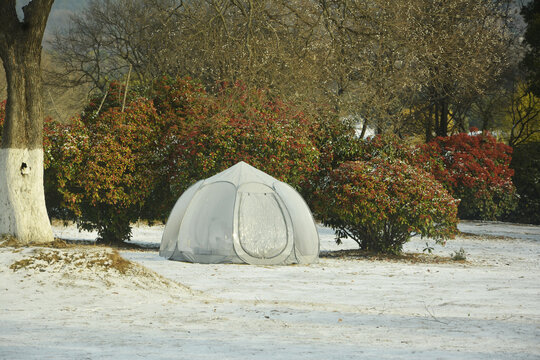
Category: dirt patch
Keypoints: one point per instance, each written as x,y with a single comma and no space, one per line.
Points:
356,254
471,236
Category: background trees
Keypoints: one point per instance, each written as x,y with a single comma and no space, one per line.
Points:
407,67
531,61
282,83
258,42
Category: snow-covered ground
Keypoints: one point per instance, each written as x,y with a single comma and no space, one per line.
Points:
340,308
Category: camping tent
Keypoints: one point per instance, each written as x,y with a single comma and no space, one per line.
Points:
241,215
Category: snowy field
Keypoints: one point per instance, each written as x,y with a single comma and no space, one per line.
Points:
63,305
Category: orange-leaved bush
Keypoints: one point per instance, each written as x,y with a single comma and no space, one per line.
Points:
381,204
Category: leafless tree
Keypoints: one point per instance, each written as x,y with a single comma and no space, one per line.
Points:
402,66
257,42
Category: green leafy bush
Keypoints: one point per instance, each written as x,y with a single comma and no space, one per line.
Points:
388,147
103,167
380,204
337,143
475,169
58,155
526,165
180,103
113,98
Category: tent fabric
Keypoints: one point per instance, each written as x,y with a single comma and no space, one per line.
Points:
241,215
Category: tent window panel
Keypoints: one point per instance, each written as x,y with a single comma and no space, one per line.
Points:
170,234
306,238
207,226
262,229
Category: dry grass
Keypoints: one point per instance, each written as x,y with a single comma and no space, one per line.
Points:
466,235
101,259
9,241
413,258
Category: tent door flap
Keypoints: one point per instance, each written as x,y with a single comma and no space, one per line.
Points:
262,226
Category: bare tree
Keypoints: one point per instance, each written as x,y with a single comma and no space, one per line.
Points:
109,36
22,201
367,69
414,64
462,48
266,43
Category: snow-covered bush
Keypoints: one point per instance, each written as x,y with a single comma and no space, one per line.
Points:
381,203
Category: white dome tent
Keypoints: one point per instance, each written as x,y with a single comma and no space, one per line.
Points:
241,215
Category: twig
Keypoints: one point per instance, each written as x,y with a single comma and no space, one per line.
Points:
126,90
102,101
54,105
433,316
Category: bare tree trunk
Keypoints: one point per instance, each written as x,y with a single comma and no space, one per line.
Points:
22,201
429,125
443,131
364,129
441,118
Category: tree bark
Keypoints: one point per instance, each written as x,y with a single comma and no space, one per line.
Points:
23,214
441,118
429,125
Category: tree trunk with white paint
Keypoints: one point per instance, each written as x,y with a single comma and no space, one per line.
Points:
23,214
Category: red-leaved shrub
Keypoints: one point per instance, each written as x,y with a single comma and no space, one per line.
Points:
212,133
476,170
381,203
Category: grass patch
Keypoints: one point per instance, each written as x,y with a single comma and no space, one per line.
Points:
112,260
471,236
56,244
11,241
